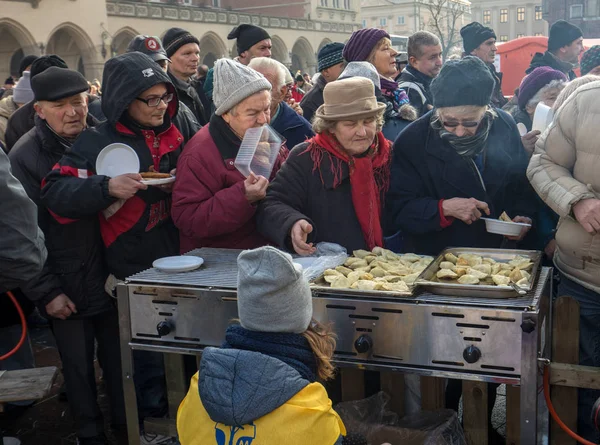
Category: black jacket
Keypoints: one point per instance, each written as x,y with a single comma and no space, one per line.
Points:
186,92
498,99
426,169
207,103
137,231
299,191
549,59
293,127
19,123
313,99
75,264
417,86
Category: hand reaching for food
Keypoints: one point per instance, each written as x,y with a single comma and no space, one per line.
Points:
299,235
468,210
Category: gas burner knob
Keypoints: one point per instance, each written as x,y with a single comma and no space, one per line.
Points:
164,328
471,354
363,344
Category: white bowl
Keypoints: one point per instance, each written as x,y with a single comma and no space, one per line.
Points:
503,227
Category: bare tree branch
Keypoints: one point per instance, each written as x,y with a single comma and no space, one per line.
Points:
444,21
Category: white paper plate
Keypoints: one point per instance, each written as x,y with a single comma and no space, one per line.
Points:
183,263
159,181
542,118
117,159
504,227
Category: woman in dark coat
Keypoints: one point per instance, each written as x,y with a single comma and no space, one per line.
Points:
459,162
331,188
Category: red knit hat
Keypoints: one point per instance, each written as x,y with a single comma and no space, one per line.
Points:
361,44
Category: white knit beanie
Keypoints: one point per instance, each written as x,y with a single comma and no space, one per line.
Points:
234,82
273,295
23,92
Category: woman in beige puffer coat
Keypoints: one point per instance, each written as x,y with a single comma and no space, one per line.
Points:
565,172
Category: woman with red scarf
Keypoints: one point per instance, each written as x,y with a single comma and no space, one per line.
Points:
331,188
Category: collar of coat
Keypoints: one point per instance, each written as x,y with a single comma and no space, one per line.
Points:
227,142
50,140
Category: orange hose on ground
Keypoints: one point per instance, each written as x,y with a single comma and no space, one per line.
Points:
564,427
23,325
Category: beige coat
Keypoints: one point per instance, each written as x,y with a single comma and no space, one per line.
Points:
565,169
7,108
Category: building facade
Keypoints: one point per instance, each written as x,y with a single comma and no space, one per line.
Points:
510,19
86,33
583,13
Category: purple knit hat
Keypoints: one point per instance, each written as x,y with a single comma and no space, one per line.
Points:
535,81
361,44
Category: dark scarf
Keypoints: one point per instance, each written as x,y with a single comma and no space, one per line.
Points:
224,137
137,128
395,95
369,178
292,349
466,146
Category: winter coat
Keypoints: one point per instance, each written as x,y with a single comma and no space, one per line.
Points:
95,108
564,170
22,249
139,230
549,59
21,121
498,99
313,99
75,264
417,86
293,127
209,201
206,101
426,170
247,397
7,108
301,191
186,92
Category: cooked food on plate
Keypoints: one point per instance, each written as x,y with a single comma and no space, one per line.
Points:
152,174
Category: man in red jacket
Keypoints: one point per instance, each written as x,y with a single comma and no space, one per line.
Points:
213,204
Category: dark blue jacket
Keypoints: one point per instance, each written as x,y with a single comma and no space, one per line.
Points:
293,127
426,169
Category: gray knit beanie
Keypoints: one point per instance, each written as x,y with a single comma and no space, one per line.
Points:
234,82
22,92
361,69
273,295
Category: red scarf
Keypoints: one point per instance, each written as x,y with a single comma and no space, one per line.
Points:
369,178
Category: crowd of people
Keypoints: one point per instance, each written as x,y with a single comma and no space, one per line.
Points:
377,151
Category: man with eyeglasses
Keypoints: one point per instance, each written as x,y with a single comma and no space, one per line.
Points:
70,289
139,101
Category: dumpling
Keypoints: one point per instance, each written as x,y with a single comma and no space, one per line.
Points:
501,280
451,257
361,253
515,275
400,271
340,283
524,282
447,265
477,273
378,272
489,260
495,268
485,268
343,270
393,279
410,279
473,260
462,262
526,274
506,266
393,287
365,285
411,257
370,258
468,279
353,277
390,256
356,264
418,267
351,261
378,250
446,274
331,278
366,276
331,272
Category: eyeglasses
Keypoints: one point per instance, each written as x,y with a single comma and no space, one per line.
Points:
155,101
466,124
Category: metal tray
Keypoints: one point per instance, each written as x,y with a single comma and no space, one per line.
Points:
476,290
362,293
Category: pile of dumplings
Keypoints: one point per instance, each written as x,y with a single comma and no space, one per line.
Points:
474,269
378,270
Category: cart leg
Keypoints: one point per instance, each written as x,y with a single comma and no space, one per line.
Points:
513,415
393,384
529,385
433,393
175,375
131,409
475,412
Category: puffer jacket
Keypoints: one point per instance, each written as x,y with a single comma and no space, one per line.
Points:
251,398
564,170
7,108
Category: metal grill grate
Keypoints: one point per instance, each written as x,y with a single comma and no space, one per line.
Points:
219,270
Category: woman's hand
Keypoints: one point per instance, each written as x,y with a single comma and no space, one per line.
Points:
529,141
168,188
524,230
468,210
299,235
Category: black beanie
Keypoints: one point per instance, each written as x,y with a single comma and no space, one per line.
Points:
57,83
175,38
247,36
25,62
467,81
562,33
43,63
474,34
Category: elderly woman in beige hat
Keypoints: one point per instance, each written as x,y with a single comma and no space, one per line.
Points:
331,187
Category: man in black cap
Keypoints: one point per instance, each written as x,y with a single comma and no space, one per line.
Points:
565,46
330,63
25,64
22,120
183,51
70,290
184,120
480,41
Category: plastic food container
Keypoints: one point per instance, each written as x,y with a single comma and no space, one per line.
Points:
258,151
503,227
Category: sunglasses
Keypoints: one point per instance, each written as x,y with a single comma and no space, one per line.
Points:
155,101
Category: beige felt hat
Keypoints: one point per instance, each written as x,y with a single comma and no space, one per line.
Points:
349,99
